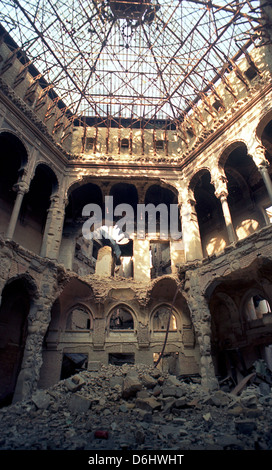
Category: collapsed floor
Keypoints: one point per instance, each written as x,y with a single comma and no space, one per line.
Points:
135,407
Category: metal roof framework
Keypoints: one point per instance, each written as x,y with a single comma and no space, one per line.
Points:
143,66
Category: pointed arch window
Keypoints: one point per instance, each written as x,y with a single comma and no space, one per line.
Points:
79,319
161,318
121,319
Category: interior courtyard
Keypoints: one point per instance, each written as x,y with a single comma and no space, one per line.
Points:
139,103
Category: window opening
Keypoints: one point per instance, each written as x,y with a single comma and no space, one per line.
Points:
160,259
256,307
160,145
124,143
251,73
160,320
72,364
268,211
118,359
121,319
78,320
89,143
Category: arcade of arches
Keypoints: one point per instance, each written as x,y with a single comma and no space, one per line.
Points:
70,302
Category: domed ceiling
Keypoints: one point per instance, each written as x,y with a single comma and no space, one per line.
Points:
145,59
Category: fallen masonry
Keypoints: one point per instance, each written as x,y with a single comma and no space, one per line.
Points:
135,407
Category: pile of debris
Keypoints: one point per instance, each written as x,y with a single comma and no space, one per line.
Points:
135,407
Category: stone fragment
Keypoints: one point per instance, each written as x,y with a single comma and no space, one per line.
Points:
219,399
139,436
148,381
228,442
264,389
249,401
156,390
123,408
143,394
41,399
168,405
207,417
75,383
144,415
180,402
116,380
169,390
236,410
79,404
172,380
148,404
131,386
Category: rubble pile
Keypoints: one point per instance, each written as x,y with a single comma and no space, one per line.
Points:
135,407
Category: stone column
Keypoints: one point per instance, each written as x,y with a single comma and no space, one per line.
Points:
262,165
21,188
104,262
201,319
221,192
190,231
38,321
141,260
53,228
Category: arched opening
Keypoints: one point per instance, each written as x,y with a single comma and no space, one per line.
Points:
158,228
209,214
79,319
16,300
12,163
241,324
77,252
174,348
161,319
33,214
68,342
121,319
247,192
256,306
125,193
266,140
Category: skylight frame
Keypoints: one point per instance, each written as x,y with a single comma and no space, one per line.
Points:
100,75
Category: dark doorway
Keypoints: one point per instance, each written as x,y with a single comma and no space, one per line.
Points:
13,331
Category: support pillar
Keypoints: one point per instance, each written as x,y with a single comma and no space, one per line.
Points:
262,165
21,188
190,231
221,192
267,180
53,228
38,321
141,260
201,319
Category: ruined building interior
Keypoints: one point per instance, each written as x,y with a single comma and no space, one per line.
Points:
149,102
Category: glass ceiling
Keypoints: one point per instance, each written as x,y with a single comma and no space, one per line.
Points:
151,65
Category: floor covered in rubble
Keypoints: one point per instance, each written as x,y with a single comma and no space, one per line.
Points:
138,408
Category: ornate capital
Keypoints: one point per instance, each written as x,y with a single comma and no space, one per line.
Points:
220,186
259,157
21,187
